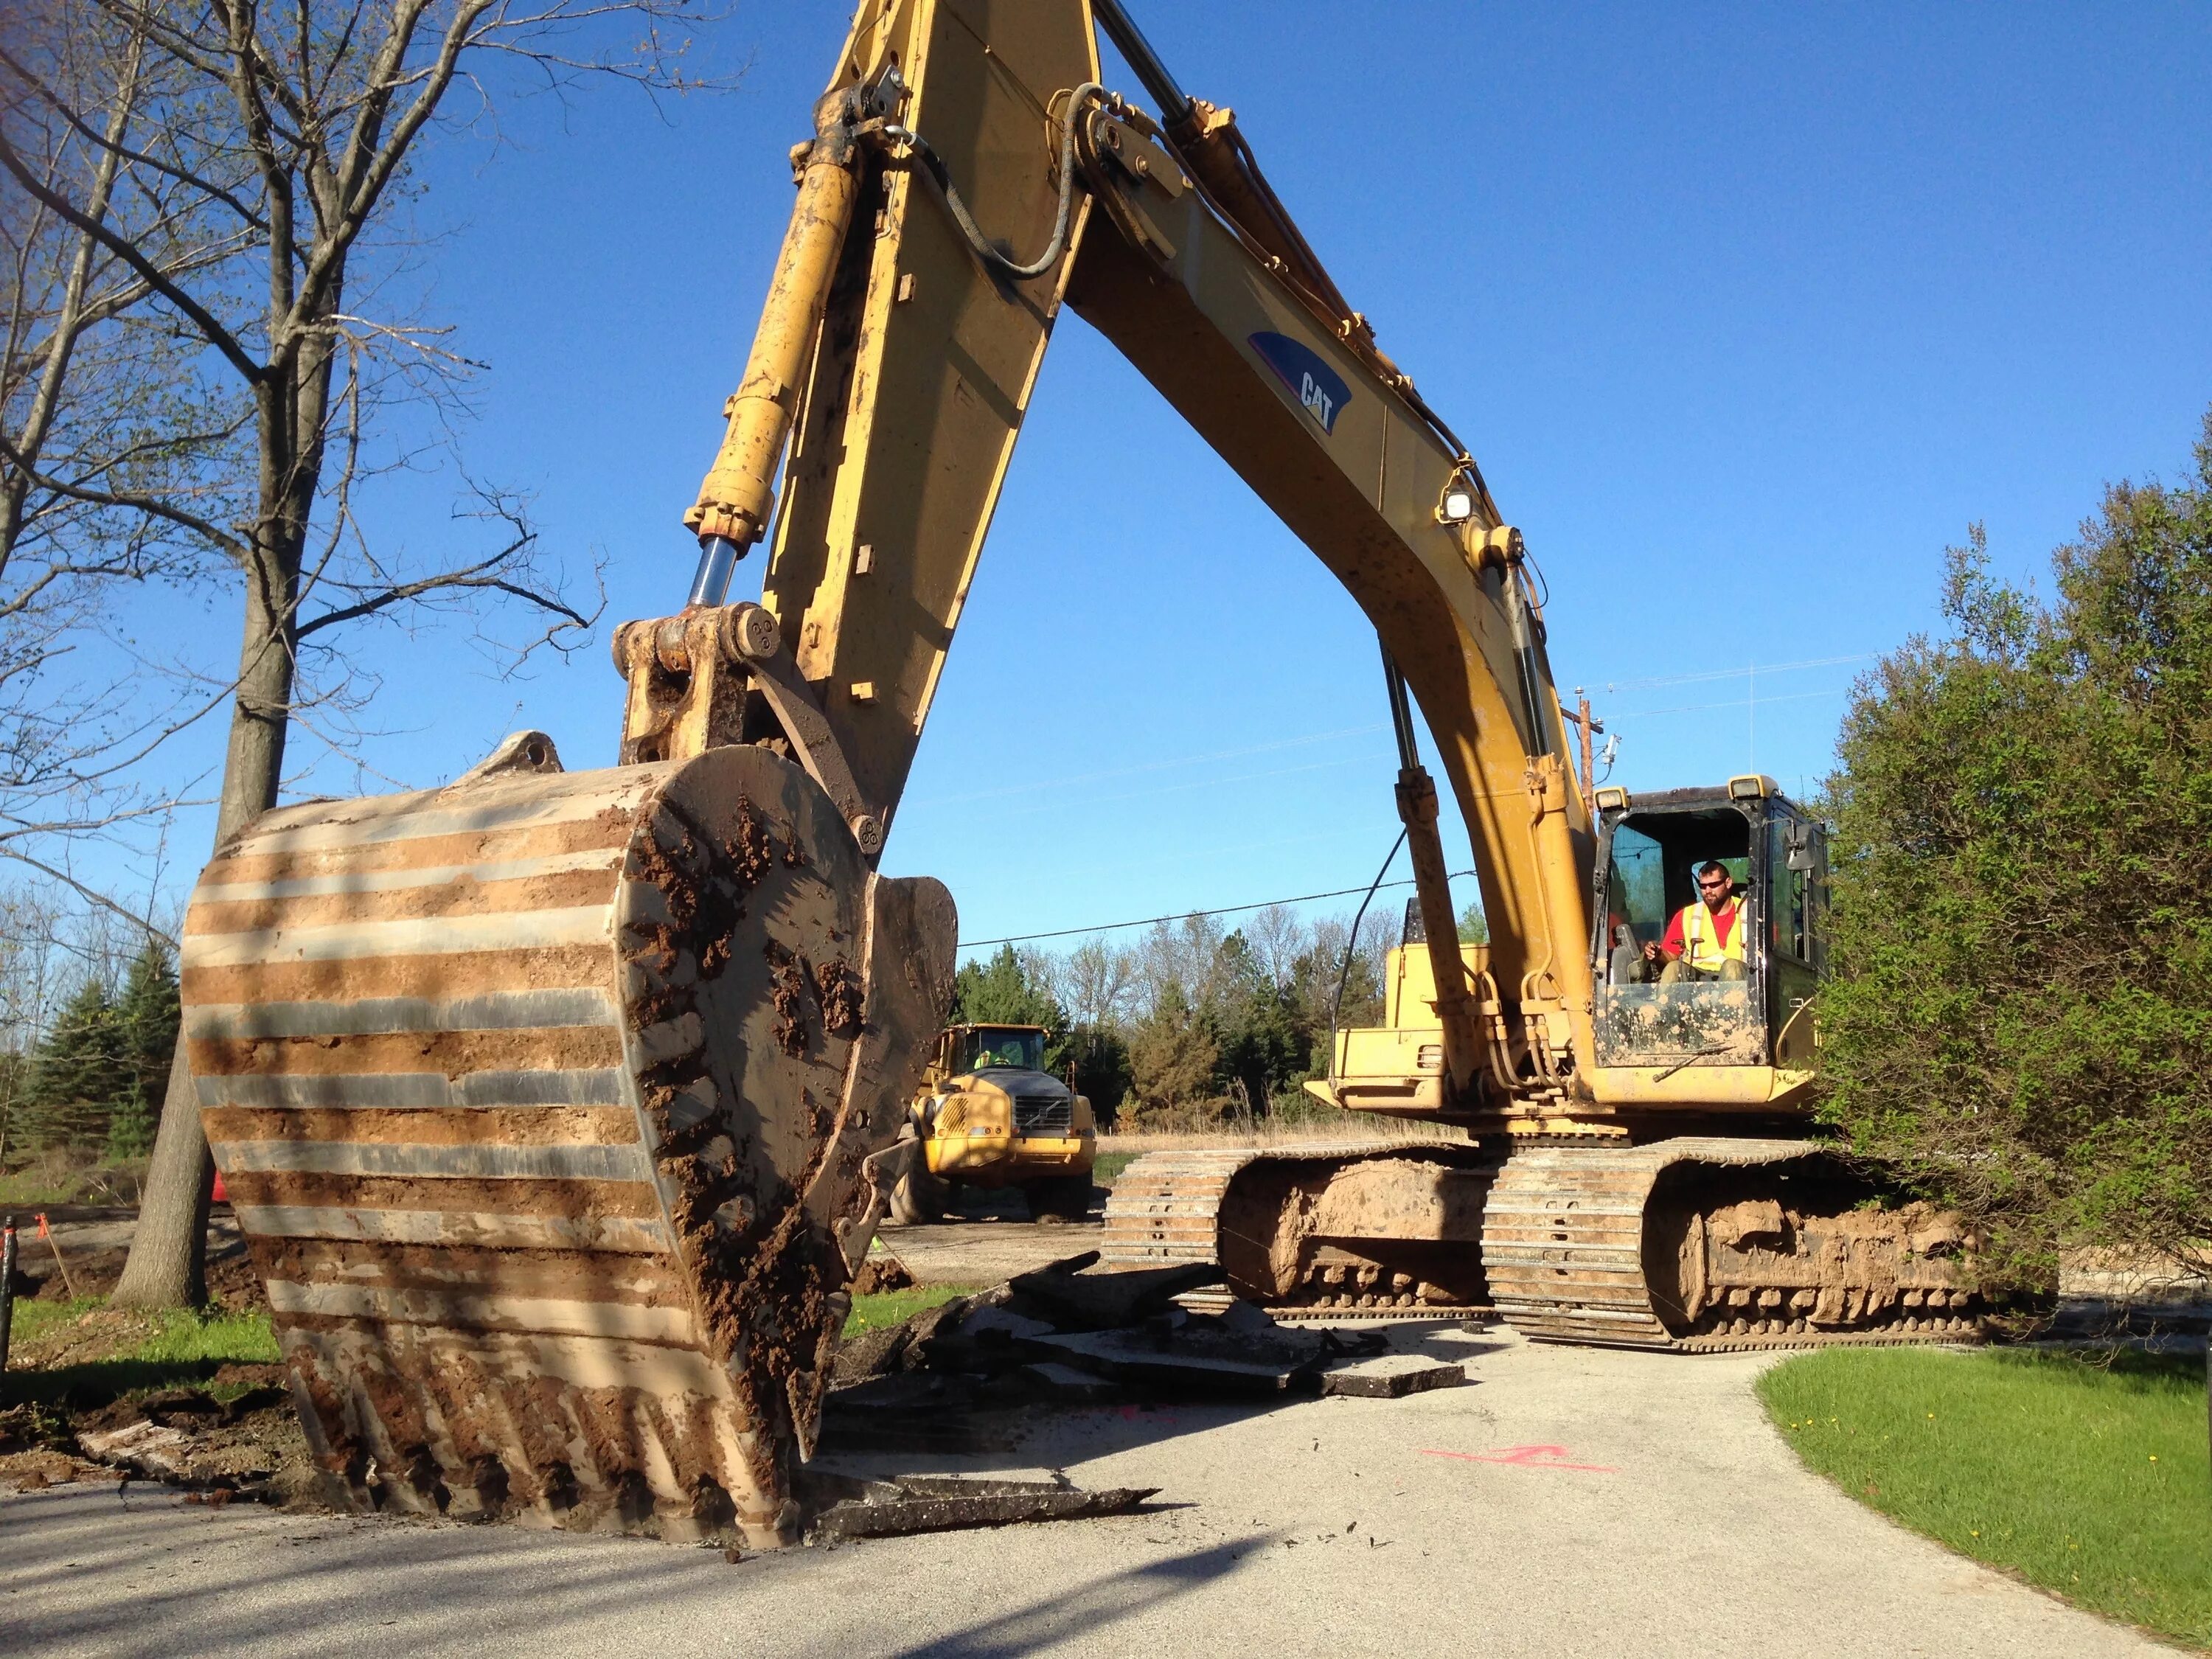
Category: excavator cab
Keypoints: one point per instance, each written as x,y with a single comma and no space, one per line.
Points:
1650,849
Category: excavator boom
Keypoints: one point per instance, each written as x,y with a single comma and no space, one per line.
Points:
926,351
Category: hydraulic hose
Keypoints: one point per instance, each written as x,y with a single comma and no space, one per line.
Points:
1352,946
941,176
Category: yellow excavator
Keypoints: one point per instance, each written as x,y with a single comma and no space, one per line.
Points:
558,1108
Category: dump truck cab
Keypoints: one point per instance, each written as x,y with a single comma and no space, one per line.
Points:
988,1114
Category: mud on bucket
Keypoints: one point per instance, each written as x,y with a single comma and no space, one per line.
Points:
543,1102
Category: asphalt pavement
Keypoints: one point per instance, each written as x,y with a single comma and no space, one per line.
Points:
1570,1502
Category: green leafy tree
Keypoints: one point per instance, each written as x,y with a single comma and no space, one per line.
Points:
2022,922
1473,926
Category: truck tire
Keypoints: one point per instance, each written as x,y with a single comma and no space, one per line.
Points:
919,1198
1059,1198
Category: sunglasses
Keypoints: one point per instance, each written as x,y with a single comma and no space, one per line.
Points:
1717,881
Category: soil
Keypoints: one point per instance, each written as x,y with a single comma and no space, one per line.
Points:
251,1447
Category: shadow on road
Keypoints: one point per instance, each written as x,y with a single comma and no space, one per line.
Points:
1063,1610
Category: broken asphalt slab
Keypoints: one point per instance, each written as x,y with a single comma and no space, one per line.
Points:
920,1503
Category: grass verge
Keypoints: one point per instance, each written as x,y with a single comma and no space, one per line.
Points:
2085,1476
887,1308
84,1354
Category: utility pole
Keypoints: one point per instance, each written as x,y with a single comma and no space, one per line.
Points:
1590,730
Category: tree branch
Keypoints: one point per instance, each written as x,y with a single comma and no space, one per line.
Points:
221,338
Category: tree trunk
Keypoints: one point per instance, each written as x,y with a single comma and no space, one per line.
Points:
167,1264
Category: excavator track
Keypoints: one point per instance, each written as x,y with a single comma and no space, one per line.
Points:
543,1101
1693,1245
1574,1252
1163,1209
1294,1231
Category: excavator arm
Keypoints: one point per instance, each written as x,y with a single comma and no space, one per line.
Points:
969,177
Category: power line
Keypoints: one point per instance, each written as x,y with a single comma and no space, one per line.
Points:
1188,915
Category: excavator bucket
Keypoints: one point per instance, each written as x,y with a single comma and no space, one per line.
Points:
547,1103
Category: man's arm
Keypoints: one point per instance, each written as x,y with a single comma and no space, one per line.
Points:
1672,945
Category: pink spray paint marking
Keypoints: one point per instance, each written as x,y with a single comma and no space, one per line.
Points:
1534,1457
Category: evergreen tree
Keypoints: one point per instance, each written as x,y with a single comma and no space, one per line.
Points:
77,1074
148,1014
1173,1059
1001,992
1103,1076
1256,1026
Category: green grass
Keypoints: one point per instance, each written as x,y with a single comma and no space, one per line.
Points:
185,1349
188,1339
49,1182
888,1307
2087,1479
34,1188
1109,1166
31,1319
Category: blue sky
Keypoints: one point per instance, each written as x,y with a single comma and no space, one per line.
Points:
1747,311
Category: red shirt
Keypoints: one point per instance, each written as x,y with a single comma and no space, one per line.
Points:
1724,922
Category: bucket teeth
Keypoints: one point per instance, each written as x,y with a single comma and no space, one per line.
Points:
539,1099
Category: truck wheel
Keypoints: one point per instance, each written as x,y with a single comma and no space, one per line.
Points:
1059,1198
919,1198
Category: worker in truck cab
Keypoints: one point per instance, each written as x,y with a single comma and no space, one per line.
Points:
1705,939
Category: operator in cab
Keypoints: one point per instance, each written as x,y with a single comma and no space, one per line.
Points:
1705,939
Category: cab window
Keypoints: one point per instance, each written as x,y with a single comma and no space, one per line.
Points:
988,1046
1652,871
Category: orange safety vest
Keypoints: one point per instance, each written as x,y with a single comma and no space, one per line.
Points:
1700,948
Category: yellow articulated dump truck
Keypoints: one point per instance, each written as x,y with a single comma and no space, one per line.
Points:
988,1114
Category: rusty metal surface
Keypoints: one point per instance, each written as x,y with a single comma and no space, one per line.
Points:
540,1101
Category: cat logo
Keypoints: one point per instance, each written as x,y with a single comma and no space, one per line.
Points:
1317,386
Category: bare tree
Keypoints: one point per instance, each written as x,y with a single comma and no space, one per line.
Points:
1096,982
100,392
287,137
1178,959
1278,936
